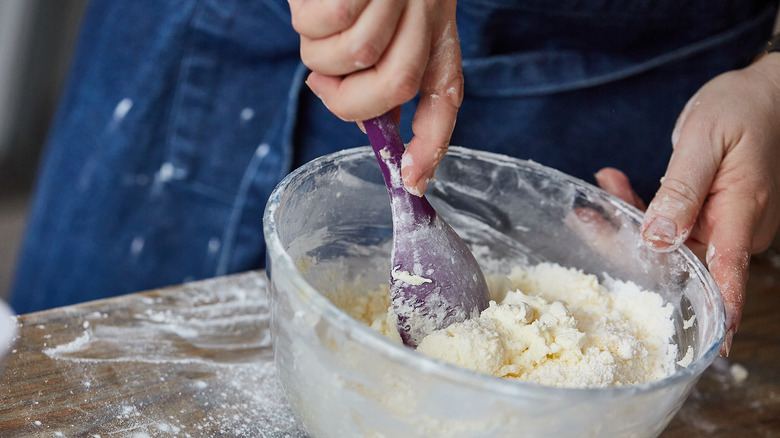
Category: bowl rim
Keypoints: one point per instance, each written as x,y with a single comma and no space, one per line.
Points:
8,328
409,357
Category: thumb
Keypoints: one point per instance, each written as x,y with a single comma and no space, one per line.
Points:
672,213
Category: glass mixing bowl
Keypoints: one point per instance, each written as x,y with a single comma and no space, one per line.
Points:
328,225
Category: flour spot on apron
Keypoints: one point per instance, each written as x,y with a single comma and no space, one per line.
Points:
120,111
247,114
137,245
214,244
167,173
262,150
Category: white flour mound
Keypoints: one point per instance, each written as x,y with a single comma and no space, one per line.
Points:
550,325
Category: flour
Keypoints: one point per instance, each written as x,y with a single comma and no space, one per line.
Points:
72,346
237,395
738,372
687,359
408,278
553,326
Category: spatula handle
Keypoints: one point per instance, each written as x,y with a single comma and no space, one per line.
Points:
385,139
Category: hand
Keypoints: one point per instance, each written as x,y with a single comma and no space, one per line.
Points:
721,191
369,56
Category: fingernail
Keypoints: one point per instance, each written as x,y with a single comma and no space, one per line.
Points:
708,257
660,233
419,188
586,215
308,84
727,341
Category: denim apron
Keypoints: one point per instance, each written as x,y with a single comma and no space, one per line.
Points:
180,117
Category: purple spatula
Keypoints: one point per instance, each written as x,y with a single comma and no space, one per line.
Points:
435,280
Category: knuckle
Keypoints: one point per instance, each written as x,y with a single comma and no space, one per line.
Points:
762,198
678,191
340,109
449,86
308,56
404,86
295,14
453,89
298,22
323,18
365,55
341,14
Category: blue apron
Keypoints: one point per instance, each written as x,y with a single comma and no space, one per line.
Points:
180,117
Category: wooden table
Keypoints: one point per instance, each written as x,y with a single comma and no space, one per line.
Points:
187,361
195,360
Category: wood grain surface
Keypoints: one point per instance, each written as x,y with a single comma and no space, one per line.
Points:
188,361
196,361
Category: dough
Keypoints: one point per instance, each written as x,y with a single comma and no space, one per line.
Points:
550,325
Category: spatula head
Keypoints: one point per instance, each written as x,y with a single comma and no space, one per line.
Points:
435,280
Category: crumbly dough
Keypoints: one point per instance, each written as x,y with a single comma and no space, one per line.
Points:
550,325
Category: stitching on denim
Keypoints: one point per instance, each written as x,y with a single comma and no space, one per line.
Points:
231,231
558,9
681,53
181,78
237,212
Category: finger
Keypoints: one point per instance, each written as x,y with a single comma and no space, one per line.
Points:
692,102
728,259
616,183
358,47
692,167
394,80
321,18
440,98
598,229
697,247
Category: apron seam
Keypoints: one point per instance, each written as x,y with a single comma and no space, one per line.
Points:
288,122
623,73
